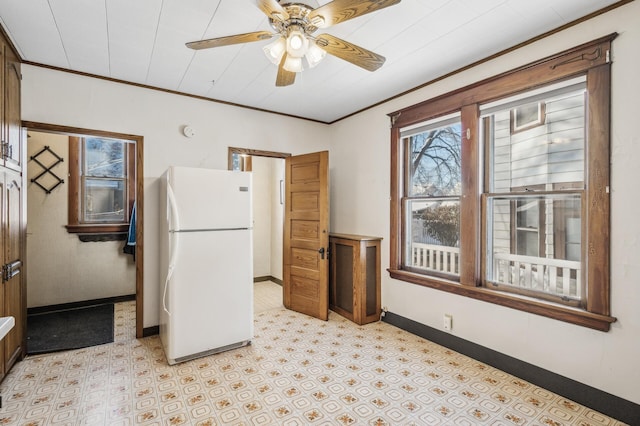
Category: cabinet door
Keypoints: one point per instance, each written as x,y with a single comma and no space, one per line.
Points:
11,144
13,300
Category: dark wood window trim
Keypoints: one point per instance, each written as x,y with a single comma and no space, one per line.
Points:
75,224
590,59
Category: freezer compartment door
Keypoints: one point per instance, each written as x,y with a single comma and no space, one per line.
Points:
209,298
209,199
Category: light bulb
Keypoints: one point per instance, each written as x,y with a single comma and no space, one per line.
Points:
297,43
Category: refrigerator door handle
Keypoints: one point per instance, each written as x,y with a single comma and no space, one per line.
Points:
173,237
164,293
174,216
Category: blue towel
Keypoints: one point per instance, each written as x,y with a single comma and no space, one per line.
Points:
130,247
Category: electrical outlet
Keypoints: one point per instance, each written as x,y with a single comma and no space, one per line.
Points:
448,322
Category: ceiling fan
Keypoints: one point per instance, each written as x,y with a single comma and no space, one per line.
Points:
295,24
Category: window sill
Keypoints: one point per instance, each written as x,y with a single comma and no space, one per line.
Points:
109,228
550,310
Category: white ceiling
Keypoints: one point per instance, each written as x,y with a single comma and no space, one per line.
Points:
143,41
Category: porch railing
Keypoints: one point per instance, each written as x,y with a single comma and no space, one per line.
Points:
553,276
436,258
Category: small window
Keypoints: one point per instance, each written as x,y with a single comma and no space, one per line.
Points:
241,162
101,184
527,223
527,116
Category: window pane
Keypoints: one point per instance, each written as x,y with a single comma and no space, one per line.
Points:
104,200
537,145
104,158
433,237
435,162
522,258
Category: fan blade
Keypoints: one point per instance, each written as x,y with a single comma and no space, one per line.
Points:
350,52
342,10
228,40
284,78
273,10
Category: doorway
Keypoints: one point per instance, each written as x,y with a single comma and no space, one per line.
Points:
305,226
82,255
268,208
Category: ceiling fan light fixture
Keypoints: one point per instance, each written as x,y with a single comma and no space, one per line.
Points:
297,43
275,50
294,23
314,54
293,64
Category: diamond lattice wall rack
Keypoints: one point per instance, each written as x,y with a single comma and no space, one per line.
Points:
47,176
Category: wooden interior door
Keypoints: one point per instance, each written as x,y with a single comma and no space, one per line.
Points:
306,234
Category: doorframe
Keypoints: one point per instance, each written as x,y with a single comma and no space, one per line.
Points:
253,153
139,258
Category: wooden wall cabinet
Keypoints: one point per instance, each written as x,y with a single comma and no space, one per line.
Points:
12,126
354,277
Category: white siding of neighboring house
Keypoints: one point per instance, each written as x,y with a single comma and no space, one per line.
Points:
543,155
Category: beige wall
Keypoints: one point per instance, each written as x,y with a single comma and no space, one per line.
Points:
608,361
359,163
60,268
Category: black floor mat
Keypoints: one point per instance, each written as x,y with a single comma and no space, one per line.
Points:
69,329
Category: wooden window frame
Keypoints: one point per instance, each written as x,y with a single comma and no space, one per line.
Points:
75,224
591,60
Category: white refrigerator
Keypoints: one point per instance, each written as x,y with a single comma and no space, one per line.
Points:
206,245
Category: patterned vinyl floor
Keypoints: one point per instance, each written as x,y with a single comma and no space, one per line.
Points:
297,371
